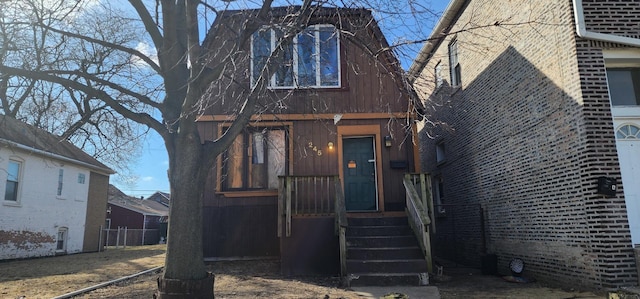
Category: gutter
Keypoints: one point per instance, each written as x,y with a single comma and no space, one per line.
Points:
438,33
581,29
101,170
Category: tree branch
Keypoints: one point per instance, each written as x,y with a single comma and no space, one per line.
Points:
141,118
149,24
133,52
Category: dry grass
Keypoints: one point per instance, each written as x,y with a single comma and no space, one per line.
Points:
54,276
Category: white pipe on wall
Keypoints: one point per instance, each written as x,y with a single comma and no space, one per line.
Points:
581,29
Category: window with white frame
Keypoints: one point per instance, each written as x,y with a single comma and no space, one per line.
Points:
60,181
454,64
312,60
61,239
628,131
81,178
13,180
624,86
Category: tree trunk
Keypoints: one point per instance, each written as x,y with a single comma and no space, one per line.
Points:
185,275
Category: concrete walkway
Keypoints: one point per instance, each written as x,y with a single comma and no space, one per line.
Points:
423,292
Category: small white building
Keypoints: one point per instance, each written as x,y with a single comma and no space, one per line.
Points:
53,196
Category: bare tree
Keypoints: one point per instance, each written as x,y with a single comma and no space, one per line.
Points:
147,63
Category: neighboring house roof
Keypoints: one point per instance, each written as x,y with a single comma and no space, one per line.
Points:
142,206
15,133
160,197
438,34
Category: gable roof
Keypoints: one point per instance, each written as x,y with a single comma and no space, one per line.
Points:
142,206
438,34
163,198
15,133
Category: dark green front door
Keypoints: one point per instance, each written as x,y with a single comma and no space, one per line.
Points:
359,174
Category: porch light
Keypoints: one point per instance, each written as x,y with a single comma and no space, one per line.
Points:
387,141
330,145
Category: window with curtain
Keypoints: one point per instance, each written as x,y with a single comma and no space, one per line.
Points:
255,159
311,60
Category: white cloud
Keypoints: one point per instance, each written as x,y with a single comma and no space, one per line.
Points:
147,179
146,50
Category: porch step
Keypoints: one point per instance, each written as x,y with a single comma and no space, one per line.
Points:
378,221
381,241
383,251
379,230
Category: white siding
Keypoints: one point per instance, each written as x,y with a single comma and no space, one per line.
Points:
28,228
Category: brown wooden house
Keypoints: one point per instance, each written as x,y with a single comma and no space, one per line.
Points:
336,123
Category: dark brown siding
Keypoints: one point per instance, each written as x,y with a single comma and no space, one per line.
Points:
236,227
305,253
96,211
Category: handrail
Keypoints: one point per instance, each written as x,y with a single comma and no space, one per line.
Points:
418,218
305,195
341,227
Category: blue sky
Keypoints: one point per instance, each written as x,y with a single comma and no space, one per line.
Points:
150,172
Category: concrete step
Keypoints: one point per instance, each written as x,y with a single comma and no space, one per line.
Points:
385,253
387,266
388,279
379,230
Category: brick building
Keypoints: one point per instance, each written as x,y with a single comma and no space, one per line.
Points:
529,103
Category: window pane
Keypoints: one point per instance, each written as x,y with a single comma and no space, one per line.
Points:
284,73
11,191
258,166
60,180
261,49
307,58
234,166
277,156
329,70
621,87
13,171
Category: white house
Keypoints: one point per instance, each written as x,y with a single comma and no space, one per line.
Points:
53,195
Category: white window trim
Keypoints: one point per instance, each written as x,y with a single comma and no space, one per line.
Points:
65,232
272,80
18,202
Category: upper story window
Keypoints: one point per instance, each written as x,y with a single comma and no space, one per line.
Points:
255,159
13,179
454,64
438,75
624,86
81,178
60,181
440,153
312,60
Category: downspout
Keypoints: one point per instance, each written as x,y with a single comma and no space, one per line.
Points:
581,29
144,227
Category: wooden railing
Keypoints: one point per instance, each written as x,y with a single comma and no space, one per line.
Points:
306,195
418,213
341,228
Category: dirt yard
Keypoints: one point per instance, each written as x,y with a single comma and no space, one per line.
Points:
50,277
